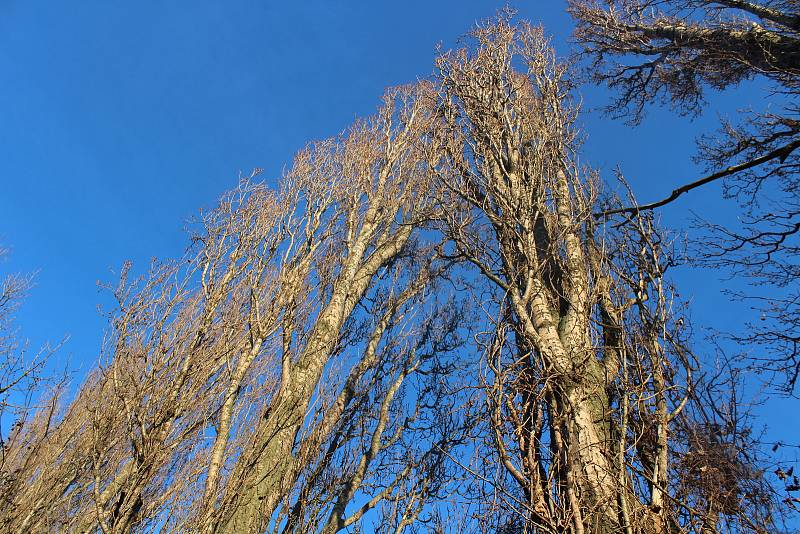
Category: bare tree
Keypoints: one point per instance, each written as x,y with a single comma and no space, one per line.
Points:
375,188
588,377
671,52
26,398
20,371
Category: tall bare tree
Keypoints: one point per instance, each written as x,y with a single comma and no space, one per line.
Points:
374,185
671,52
588,377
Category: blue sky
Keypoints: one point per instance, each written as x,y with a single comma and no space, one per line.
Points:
120,120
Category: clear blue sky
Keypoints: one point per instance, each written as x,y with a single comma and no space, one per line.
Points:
119,120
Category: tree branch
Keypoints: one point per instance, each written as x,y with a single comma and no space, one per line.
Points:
779,153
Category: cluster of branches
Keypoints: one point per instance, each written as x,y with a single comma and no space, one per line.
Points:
423,326
296,359
670,52
21,371
15,372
